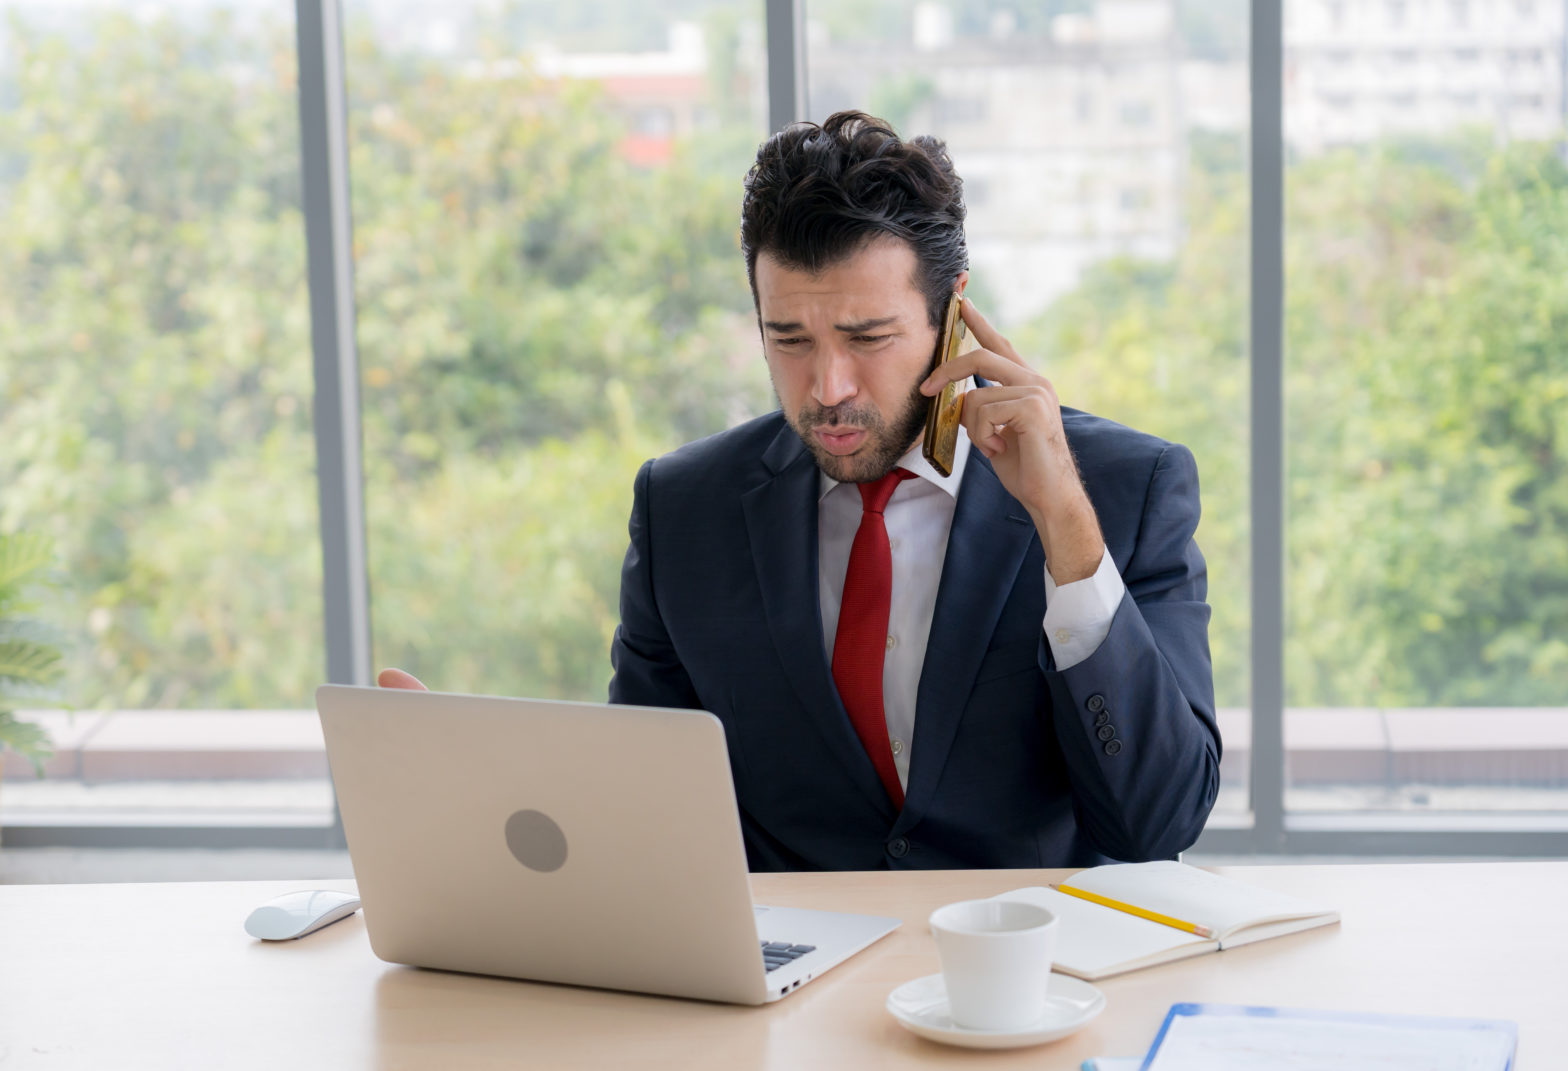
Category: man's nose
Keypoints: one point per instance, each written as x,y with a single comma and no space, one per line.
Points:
835,377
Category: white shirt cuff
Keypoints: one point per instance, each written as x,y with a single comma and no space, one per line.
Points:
1078,615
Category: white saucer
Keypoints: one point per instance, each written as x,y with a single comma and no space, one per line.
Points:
921,1006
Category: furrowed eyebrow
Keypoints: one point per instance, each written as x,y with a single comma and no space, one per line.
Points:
859,327
866,325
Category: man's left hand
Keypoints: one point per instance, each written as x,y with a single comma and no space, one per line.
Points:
1017,423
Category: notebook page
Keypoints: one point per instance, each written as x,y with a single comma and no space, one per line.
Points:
1246,1043
1194,895
1092,940
1263,931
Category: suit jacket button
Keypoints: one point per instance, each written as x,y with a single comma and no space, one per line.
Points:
1113,748
1096,703
898,847
1106,733
1101,718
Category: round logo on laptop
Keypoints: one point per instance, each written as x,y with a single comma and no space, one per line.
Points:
536,841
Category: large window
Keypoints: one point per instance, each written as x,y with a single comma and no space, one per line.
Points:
1427,408
155,393
550,291
543,201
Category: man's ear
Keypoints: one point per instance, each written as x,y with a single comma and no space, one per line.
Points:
963,281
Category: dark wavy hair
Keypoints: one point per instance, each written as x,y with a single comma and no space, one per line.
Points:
818,194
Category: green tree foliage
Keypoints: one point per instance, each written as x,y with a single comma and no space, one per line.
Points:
30,657
537,317
1428,422
154,363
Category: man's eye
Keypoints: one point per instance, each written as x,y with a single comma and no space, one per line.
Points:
871,339
788,341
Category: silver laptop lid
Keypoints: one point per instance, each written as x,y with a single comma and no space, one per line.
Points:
557,841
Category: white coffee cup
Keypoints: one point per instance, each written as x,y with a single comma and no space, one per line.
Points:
996,961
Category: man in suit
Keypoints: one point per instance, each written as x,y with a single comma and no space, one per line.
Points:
1005,667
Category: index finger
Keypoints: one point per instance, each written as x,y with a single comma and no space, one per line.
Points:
1007,371
989,337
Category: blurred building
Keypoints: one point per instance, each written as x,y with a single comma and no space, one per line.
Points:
1359,70
662,96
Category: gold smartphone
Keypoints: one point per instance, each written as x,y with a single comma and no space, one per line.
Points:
941,441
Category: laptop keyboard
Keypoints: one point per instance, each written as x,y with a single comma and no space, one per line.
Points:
777,953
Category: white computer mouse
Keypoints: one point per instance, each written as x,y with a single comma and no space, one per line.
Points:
296,914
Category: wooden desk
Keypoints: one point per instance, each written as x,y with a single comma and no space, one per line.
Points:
164,976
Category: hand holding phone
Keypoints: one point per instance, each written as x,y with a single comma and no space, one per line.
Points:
1015,420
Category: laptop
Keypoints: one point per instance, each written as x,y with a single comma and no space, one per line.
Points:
579,843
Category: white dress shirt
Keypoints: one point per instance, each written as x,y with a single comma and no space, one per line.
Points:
919,517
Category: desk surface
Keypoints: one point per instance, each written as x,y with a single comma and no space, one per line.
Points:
164,976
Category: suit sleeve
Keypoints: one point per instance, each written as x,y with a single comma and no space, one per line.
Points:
647,670
1136,718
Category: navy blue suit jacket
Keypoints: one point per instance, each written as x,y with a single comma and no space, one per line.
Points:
1013,763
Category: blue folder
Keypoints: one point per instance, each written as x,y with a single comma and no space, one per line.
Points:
1337,1038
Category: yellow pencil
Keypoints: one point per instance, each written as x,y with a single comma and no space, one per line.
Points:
1152,916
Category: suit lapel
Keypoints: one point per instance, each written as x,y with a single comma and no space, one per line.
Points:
781,521
985,548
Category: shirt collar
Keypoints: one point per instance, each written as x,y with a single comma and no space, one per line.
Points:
916,462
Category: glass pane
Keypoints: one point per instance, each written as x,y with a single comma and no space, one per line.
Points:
550,290
1103,152
155,390
1427,660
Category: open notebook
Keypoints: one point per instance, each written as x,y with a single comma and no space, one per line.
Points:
1097,941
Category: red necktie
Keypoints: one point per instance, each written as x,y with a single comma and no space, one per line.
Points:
861,641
